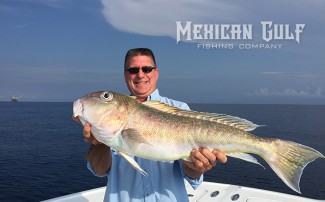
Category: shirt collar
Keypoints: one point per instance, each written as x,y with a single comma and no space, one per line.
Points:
154,95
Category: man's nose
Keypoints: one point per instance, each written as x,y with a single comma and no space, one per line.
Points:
140,74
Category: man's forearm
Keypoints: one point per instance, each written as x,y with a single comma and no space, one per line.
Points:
100,158
191,172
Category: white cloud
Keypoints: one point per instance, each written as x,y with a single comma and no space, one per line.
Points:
4,8
21,26
295,75
157,18
289,92
274,73
51,3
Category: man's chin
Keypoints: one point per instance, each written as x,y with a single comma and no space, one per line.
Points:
142,93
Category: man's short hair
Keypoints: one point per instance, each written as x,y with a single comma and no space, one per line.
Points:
137,52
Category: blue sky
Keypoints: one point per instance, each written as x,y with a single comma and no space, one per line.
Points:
59,50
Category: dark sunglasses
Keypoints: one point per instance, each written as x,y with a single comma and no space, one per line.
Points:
145,69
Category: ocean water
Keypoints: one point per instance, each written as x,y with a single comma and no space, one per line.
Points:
42,152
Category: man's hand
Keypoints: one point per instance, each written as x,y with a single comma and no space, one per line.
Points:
88,137
202,161
98,155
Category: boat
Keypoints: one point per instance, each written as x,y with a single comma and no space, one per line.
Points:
15,99
207,192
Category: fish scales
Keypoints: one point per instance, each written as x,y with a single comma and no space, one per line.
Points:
160,132
174,129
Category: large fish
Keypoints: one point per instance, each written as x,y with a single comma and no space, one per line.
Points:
156,131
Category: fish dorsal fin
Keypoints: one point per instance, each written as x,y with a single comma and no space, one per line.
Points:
233,121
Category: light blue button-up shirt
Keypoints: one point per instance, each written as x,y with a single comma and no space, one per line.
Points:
165,180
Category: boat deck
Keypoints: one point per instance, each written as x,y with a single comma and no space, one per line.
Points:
208,191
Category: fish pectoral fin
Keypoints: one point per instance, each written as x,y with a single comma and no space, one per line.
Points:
133,138
188,159
245,157
135,165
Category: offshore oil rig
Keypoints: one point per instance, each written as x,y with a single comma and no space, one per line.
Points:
15,98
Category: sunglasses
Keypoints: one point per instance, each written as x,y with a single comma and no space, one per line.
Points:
145,69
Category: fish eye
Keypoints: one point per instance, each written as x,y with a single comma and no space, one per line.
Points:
106,96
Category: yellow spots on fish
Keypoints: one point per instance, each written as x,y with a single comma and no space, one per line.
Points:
113,122
121,109
115,117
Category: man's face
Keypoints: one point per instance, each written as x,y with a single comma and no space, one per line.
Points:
141,84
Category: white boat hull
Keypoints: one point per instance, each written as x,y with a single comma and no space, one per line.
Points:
208,191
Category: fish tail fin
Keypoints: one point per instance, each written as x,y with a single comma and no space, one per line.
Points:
288,159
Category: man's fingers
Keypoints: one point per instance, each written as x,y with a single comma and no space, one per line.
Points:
87,129
76,118
95,141
199,159
209,155
220,156
190,164
88,137
87,134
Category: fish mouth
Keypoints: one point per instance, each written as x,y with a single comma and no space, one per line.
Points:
77,108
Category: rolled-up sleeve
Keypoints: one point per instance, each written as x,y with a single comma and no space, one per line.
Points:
195,183
94,173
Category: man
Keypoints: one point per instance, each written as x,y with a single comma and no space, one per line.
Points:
165,180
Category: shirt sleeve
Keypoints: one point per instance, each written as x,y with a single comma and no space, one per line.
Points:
184,106
180,105
94,173
90,168
195,183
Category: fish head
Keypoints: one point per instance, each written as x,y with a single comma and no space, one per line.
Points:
105,111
